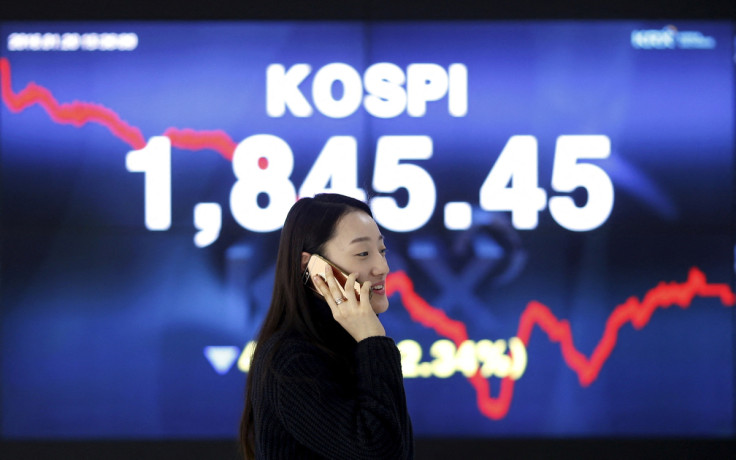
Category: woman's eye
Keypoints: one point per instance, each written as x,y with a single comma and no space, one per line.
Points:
384,250
362,254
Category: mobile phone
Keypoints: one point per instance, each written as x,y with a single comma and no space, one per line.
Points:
317,266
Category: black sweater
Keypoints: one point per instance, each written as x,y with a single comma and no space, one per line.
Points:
311,405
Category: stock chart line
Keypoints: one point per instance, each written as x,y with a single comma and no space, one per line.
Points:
75,113
79,114
633,311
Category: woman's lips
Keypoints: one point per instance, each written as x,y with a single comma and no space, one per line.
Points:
379,288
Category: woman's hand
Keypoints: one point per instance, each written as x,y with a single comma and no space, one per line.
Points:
356,317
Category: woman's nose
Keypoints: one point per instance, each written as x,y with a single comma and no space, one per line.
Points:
380,267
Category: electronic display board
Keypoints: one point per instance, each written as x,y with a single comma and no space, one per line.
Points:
556,197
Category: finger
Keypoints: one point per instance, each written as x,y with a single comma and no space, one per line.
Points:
328,274
365,293
335,290
321,285
349,287
330,298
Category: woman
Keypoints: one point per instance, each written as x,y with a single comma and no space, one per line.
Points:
325,381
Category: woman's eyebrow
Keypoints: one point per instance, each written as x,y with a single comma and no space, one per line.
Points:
360,239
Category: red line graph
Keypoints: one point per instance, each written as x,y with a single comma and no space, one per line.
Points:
75,113
190,139
634,311
79,114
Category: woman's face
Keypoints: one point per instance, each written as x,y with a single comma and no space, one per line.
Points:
357,247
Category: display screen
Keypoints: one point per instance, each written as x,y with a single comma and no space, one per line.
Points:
556,199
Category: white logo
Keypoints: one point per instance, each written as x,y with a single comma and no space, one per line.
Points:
671,38
384,90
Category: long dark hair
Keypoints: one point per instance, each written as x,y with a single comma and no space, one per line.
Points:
311,222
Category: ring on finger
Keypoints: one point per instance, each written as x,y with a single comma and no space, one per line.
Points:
340,300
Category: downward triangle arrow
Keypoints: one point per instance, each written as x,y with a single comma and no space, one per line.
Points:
222,358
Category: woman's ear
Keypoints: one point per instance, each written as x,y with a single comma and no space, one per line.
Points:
305,260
